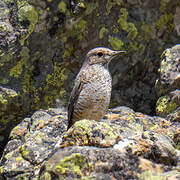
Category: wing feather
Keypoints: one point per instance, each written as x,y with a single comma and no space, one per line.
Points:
73,100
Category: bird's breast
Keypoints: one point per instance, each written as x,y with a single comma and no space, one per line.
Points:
97,86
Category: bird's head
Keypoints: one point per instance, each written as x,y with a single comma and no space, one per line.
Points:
101,55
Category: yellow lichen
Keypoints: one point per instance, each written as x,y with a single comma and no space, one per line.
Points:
62,6
24,152
165,106
102,31
166,20
19,159
1,169
115,42
127,26
75,163
27,12
111,3
16,70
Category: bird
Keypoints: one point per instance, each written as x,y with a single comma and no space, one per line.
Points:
90,96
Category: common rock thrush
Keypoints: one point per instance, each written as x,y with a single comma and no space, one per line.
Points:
91,94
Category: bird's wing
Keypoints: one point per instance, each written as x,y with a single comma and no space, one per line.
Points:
73,99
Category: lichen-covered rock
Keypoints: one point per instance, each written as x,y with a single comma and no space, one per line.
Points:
168,85
95,163
169,71
175,115
43,44
125,144
167,104
11,112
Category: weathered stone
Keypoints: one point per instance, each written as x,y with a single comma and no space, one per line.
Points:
167,104
168,85
175,115
40,147
11,112
41,41
169,71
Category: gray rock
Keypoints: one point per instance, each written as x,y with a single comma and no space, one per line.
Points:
124,141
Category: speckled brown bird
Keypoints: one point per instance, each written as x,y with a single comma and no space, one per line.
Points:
91,94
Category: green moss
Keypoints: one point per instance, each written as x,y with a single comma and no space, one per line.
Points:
103,31
115,42
127,26
76,163
165,106
167,21
16,70
62,6
28,13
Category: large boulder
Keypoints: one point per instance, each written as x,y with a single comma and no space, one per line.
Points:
168,84
125,144
43,44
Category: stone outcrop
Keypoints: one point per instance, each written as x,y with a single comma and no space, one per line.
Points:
168,84
43,43
125,144
11,113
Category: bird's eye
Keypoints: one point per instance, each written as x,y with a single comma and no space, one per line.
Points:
99,54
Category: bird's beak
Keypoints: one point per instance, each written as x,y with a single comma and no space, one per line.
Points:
115,53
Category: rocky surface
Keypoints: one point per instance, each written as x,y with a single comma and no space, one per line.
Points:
125,144
43,44
168,84
11,112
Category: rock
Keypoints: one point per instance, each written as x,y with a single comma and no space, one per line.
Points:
168,85
176,20
168,103
169,71
125,144
43,44
11,112
175,115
